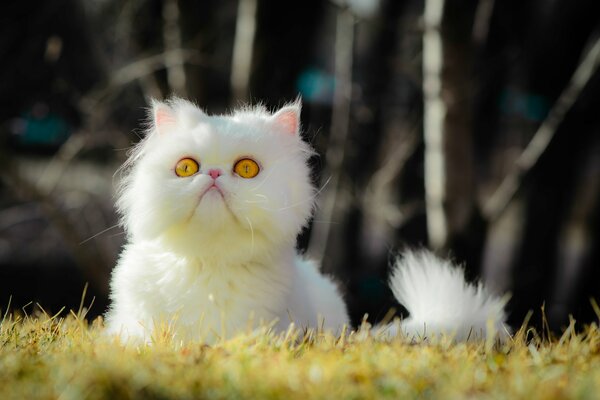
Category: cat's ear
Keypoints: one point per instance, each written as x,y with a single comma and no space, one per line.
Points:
163,116
287,118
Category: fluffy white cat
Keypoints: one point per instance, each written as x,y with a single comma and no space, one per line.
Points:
212,206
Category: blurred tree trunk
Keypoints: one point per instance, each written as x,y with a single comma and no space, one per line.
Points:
330,209
434,114
387,101
174,63
243,48
449,179
457,93
576,238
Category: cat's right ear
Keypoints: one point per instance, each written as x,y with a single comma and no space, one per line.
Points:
163,116
287,118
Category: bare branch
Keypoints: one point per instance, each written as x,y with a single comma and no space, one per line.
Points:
60,161
379,188
137,70
500,199
91,265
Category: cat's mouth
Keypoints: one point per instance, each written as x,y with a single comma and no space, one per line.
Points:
212,194
214,188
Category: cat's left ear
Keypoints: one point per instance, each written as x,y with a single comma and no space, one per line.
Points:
163,116
288,118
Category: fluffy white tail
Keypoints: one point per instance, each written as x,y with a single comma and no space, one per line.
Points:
440,301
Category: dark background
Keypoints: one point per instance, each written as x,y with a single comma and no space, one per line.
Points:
518,149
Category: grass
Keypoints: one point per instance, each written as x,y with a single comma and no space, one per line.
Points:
67,358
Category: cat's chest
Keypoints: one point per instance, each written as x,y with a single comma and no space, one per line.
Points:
234,292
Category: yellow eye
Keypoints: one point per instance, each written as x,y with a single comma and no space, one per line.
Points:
186,167
246,168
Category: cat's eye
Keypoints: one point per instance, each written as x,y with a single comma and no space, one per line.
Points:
246,168
186,167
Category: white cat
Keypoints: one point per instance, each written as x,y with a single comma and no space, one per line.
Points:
212,206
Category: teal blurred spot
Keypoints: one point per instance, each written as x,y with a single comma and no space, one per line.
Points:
530,106
47,130
316,86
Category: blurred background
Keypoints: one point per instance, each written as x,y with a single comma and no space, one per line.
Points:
470,127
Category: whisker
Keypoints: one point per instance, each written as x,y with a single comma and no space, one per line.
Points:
323,187
310,198
322,221
98,234
265,199
251,232
261,183
255,204
236,196
247,209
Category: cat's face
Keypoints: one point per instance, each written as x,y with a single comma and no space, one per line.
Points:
218,186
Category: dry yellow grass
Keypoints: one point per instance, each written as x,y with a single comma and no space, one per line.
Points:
65,358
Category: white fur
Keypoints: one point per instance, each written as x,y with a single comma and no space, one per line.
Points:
439,300
207,265
210,264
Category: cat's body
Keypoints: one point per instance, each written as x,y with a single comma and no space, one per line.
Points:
212,206
210,301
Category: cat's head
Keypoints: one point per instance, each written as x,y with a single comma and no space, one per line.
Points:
218,186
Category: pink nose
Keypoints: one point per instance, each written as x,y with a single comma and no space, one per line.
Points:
214,173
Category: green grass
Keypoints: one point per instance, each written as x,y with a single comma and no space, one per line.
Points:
65,358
